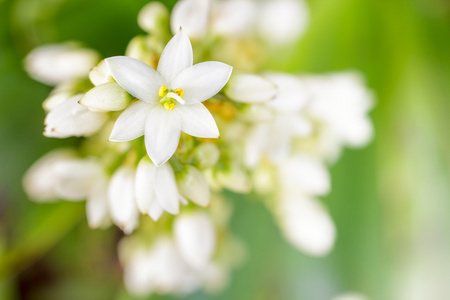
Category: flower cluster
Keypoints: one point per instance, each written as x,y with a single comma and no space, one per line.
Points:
150,159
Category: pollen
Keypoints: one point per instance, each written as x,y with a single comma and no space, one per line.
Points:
169,106
163,91
179,92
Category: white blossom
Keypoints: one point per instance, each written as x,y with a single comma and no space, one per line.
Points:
122,199
193,16
57,63
73,119
169,98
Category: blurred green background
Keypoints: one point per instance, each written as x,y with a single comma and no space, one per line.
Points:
390,201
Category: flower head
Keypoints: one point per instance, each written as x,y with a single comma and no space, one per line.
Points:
169,98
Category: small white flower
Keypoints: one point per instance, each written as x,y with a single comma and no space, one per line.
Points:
282,21
193,185
250,88
233,17
306,224
153,16
193,16
122,199
156,189
57,63
195,238
169,98
73,119
97,208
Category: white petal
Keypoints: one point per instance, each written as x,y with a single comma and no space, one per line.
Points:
195,238
176,57
131,123
162,134
305,174
166,189
192,16
250,88
196,120
155,210
106,97
136,77
73,119
202,81
192,184
97,211
307,225
122,201
145,185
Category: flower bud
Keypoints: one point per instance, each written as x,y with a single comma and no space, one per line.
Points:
195,238
122,199
153,17
73,119
192,185
145,48
207,155
54,64
100,74
250,88
106,97
192,16
307,225
97,210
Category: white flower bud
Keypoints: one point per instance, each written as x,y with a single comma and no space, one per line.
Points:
192,185
282,21
100,74
54,64
97,210
250,88
233,17
39,181
306,175
207,155
122,199
73,119
192,16
106,97
306,224
153,17
195,238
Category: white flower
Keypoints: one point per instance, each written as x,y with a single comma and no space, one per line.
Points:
233,17
153,16
97,208
57,63
195,238
169,98
122,199
340,102
156,189
73,119
282,21
193,185
306,224
192,16
250,88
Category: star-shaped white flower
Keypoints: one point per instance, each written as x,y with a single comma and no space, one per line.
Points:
169,98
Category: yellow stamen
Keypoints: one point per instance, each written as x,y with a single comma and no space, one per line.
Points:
179,92
163,91
169,106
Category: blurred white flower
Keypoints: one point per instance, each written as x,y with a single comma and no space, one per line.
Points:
153,17
282,21
122,199
156,189
233,17
306,224
57,63
193,185
169,98
250,88
195,238
341,103
191,15
97,207
73,119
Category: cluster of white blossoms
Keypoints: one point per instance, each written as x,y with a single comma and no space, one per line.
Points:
150,160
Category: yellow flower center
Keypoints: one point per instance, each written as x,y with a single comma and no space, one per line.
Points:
169,97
